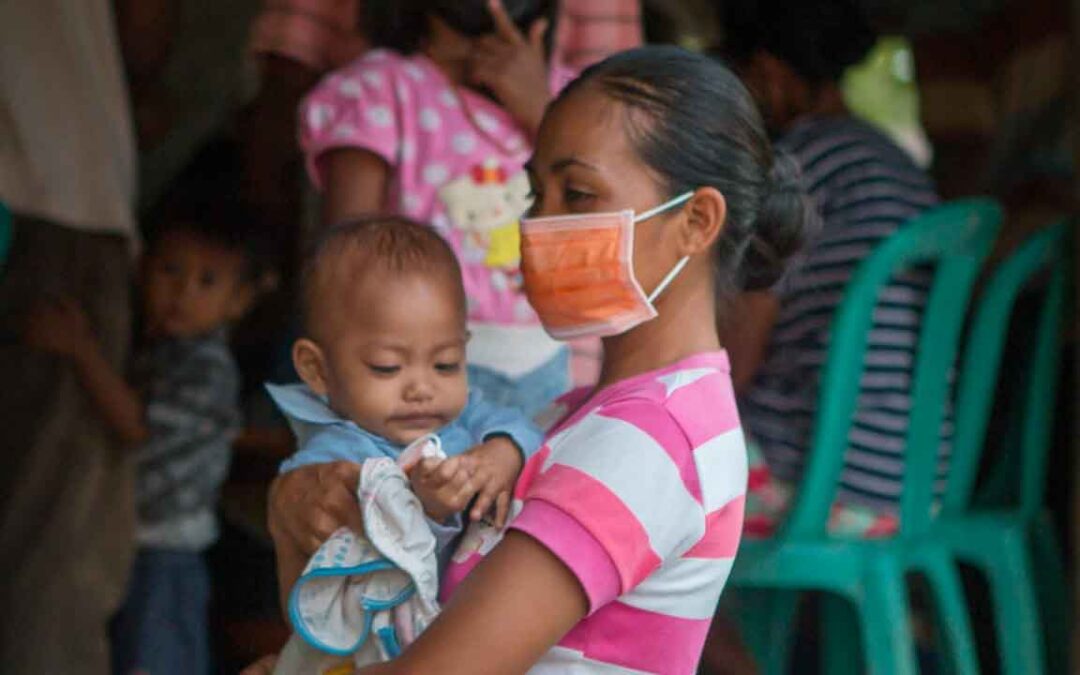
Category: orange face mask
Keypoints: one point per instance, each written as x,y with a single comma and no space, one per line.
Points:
579,272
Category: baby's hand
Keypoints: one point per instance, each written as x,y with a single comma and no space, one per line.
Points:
444,486
497,463
59,327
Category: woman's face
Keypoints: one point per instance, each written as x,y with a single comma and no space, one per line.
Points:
585,163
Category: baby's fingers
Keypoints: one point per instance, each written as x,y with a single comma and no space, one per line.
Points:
502,509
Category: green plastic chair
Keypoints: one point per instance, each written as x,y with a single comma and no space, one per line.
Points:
1008,543
867,577
5,234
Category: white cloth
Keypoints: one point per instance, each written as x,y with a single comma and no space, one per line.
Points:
361,600
67,149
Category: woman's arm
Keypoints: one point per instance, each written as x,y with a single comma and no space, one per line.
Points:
356,182
307,505
510,610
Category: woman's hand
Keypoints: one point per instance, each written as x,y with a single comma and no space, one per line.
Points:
264,666
310,503
514,67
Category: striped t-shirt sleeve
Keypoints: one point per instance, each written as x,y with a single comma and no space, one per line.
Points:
635,494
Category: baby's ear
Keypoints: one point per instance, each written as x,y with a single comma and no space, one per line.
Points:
310,363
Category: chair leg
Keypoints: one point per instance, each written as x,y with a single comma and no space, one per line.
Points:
885,619
1016,614
766,618
840,653
952,617
1053,595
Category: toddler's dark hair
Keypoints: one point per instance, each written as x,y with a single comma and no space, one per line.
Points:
694,124
220,220
383,242
402,25
819,39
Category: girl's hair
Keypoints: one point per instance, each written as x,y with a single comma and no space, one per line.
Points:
694,124
402,25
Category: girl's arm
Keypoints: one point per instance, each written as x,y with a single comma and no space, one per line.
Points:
510,610
356,182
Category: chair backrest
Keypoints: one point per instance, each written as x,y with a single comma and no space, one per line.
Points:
1047,251
954,238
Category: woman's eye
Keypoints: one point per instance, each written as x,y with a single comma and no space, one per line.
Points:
383,369
448,368
571,196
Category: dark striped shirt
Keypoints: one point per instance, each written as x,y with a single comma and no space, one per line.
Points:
865,187
191,389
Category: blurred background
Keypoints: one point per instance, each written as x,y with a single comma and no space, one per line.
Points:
984,94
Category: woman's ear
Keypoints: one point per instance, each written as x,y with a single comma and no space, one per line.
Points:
706,213
310,363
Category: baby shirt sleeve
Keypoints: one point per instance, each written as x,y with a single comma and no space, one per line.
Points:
354,107
485,420
332,444
616,498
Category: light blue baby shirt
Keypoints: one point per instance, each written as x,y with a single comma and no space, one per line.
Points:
324,436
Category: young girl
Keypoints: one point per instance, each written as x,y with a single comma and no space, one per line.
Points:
657,197
438,128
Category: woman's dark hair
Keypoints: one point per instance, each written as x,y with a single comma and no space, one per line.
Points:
401,25
694,124
819,39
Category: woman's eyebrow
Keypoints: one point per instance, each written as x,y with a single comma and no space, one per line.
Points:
561,165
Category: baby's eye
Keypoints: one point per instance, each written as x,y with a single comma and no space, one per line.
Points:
208,279
384,370
448,367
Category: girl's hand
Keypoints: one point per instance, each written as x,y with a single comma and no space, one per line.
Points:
497,463
60,327
444,486
514,67
310,503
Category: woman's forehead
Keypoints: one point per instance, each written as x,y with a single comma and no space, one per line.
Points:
586,126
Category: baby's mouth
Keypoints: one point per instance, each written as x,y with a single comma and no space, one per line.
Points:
418,421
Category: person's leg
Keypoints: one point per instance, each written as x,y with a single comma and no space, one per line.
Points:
162,628
65,488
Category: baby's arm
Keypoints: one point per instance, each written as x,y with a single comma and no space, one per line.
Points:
508,438
62,328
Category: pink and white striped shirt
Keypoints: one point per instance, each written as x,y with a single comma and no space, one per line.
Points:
640,492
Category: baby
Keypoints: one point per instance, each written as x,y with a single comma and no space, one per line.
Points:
383,365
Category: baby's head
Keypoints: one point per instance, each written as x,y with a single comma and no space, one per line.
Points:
202,269
384,327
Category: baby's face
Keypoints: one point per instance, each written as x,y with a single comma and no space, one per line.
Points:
395,355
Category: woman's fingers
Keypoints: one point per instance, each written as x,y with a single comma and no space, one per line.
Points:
264,666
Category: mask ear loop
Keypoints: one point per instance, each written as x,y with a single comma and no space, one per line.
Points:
662,286
681,199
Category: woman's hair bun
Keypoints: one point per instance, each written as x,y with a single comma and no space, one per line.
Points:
783,225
